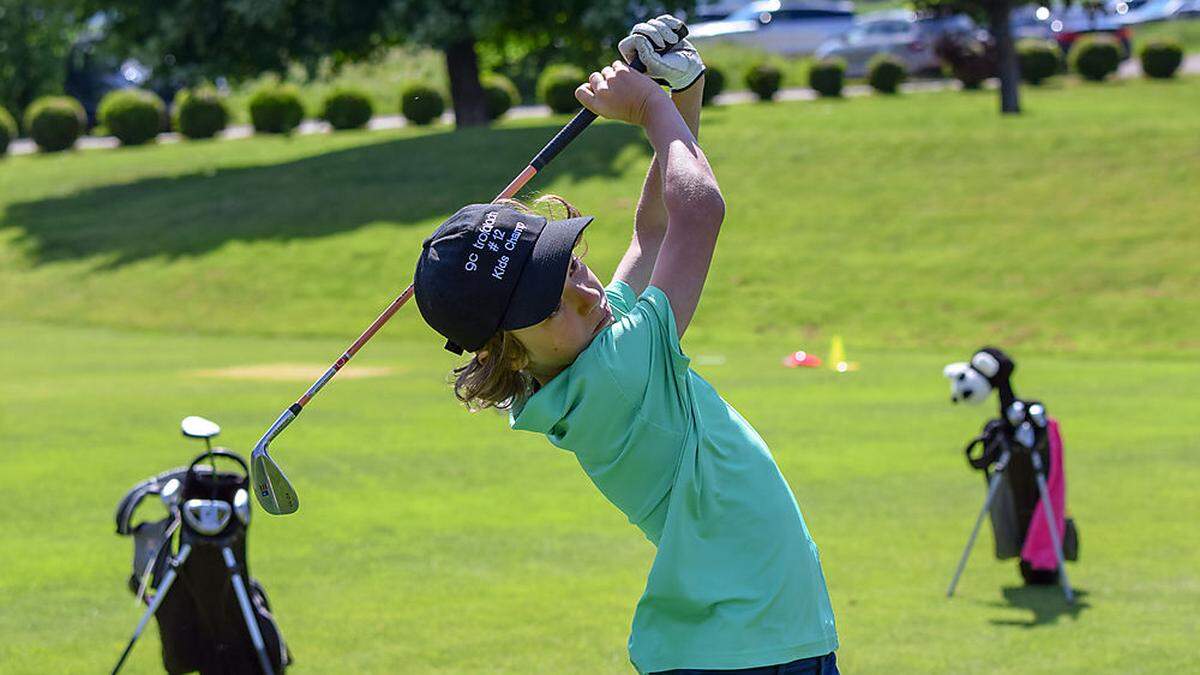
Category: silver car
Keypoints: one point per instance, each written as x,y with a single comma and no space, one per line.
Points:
899,33
779,27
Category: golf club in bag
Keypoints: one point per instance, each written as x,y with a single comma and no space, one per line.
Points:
1021,456
271,486
190,568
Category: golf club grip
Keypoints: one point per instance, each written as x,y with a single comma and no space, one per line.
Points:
585,117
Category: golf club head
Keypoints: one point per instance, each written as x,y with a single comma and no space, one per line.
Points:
273,490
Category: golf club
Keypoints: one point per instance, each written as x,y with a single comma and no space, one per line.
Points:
271,487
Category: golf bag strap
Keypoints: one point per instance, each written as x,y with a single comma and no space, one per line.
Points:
131,500
990,440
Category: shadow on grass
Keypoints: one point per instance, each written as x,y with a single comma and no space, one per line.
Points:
1046,602
405,181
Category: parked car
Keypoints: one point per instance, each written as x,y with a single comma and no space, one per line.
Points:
715,10
780,27
1149,12
904,35
1066,24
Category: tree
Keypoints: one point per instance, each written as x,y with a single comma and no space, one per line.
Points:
34,40
995,15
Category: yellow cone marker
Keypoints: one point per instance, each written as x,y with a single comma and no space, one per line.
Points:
837,357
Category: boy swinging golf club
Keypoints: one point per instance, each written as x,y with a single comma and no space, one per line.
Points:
736,584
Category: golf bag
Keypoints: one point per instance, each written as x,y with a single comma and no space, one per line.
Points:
1017,497
1021,456
190,568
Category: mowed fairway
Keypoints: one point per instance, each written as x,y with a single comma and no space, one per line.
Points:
142,285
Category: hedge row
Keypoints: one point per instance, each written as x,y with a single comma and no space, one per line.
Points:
136,116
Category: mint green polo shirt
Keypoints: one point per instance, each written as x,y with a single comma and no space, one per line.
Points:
736,580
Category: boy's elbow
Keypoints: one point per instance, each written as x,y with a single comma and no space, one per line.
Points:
702,205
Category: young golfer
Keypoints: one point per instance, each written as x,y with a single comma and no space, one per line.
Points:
736,584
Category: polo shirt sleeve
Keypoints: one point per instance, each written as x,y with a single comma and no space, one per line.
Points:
647,363
621,298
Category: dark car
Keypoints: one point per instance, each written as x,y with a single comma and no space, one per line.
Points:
1064,25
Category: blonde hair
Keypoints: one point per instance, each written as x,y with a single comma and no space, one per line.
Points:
496,375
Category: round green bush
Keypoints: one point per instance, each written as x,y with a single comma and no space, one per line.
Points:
134,116
8,130
347,109
199,113
827,77
1095,58
1161,58
421,103
714,84
764,79
276,109
55,122
1039,60
500,94
556,88
885,73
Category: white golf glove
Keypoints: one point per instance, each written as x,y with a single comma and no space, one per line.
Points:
678,68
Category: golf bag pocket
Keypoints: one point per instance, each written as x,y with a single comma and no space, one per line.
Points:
1006,527
1070,542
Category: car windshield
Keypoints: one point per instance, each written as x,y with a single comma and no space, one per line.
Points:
751,11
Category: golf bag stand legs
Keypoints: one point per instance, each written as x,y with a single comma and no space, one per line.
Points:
1048,510
159,596
993,485
248,614
239,588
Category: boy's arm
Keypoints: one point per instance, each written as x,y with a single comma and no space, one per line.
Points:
650,221
692,199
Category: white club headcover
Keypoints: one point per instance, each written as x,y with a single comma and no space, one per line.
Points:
985,363
966,383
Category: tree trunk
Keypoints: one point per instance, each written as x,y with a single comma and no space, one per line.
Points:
1006,55
466,93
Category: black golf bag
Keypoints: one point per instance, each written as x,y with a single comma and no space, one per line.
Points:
1016,498
190,568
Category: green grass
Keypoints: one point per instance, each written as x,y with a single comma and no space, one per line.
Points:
917,227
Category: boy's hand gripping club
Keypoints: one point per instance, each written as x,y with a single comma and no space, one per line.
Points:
271,487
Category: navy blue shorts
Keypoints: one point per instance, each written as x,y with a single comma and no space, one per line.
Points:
816,665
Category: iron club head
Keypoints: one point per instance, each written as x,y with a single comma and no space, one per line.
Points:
273,490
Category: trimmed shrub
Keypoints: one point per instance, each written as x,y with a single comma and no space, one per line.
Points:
8,130
276,109
1039,60
500,94
714,84
827,77
55,122
421,103
1095,58
764,80
556,88
199,113
1161,58
347,109
134,116
885,73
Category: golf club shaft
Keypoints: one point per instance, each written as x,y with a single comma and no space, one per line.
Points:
568,133
292,411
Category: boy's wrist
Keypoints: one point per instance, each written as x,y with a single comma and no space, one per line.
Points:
658,108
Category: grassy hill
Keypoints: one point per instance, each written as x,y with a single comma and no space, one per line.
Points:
911,222
142,285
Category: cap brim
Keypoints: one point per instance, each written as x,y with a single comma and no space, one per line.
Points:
539,290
